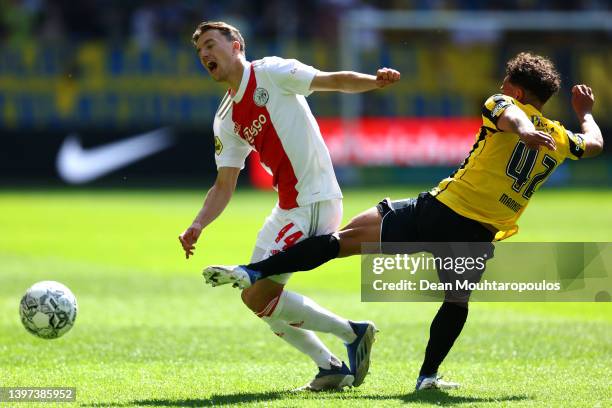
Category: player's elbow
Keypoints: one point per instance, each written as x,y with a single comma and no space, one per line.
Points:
224,187
594,146
340,81
226,180
343,81
598,147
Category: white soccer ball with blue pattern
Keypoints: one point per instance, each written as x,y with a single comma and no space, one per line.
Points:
48,309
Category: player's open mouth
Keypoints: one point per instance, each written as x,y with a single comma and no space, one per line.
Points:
212,66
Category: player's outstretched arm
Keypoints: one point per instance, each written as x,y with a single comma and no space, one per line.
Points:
514,120
216,200
582,102
354,82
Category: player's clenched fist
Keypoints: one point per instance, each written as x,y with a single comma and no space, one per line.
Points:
189,238
582,99
386,76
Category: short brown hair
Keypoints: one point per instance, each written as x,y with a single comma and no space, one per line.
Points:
230,32
535,73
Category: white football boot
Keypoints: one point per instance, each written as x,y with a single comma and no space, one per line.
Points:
239,276
434,382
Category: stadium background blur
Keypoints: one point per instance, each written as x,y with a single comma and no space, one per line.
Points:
106,70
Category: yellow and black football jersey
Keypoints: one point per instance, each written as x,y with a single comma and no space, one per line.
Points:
500,174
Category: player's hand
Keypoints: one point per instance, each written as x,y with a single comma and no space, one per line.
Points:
386,76
189,238
534,139
582,100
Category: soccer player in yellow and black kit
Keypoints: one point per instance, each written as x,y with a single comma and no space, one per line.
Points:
516,150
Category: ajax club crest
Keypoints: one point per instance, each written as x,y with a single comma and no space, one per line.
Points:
260,97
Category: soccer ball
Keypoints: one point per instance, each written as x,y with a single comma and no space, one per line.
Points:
48,309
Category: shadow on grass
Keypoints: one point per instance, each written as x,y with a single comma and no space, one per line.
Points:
213,400
435,397
430,396
442,398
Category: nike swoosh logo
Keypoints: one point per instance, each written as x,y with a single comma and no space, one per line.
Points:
76,165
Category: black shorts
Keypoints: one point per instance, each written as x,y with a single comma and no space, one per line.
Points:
425,219
424,224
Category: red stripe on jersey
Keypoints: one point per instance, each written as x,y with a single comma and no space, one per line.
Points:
253,124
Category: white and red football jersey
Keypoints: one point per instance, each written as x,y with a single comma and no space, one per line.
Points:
269,114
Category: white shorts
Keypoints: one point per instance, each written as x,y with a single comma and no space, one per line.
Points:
284,228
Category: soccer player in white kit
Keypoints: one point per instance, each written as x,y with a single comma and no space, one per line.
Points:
265,110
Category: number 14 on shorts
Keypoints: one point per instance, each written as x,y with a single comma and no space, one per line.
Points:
288,240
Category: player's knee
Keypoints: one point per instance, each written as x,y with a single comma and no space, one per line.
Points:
258,300
351,240
457,302
366,219
359,221
248,298
351,224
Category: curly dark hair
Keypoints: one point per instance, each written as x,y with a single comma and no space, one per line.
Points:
535,73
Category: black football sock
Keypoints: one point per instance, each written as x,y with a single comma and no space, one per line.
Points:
444,330
303,256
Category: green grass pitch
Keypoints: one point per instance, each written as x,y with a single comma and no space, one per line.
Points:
150,333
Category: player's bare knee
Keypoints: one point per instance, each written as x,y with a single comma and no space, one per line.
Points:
250,298
258,298
365,219
351,240
352,224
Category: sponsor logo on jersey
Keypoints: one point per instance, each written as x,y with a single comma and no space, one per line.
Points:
579,140
249,133
260,97
218,146
577,144
499,108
